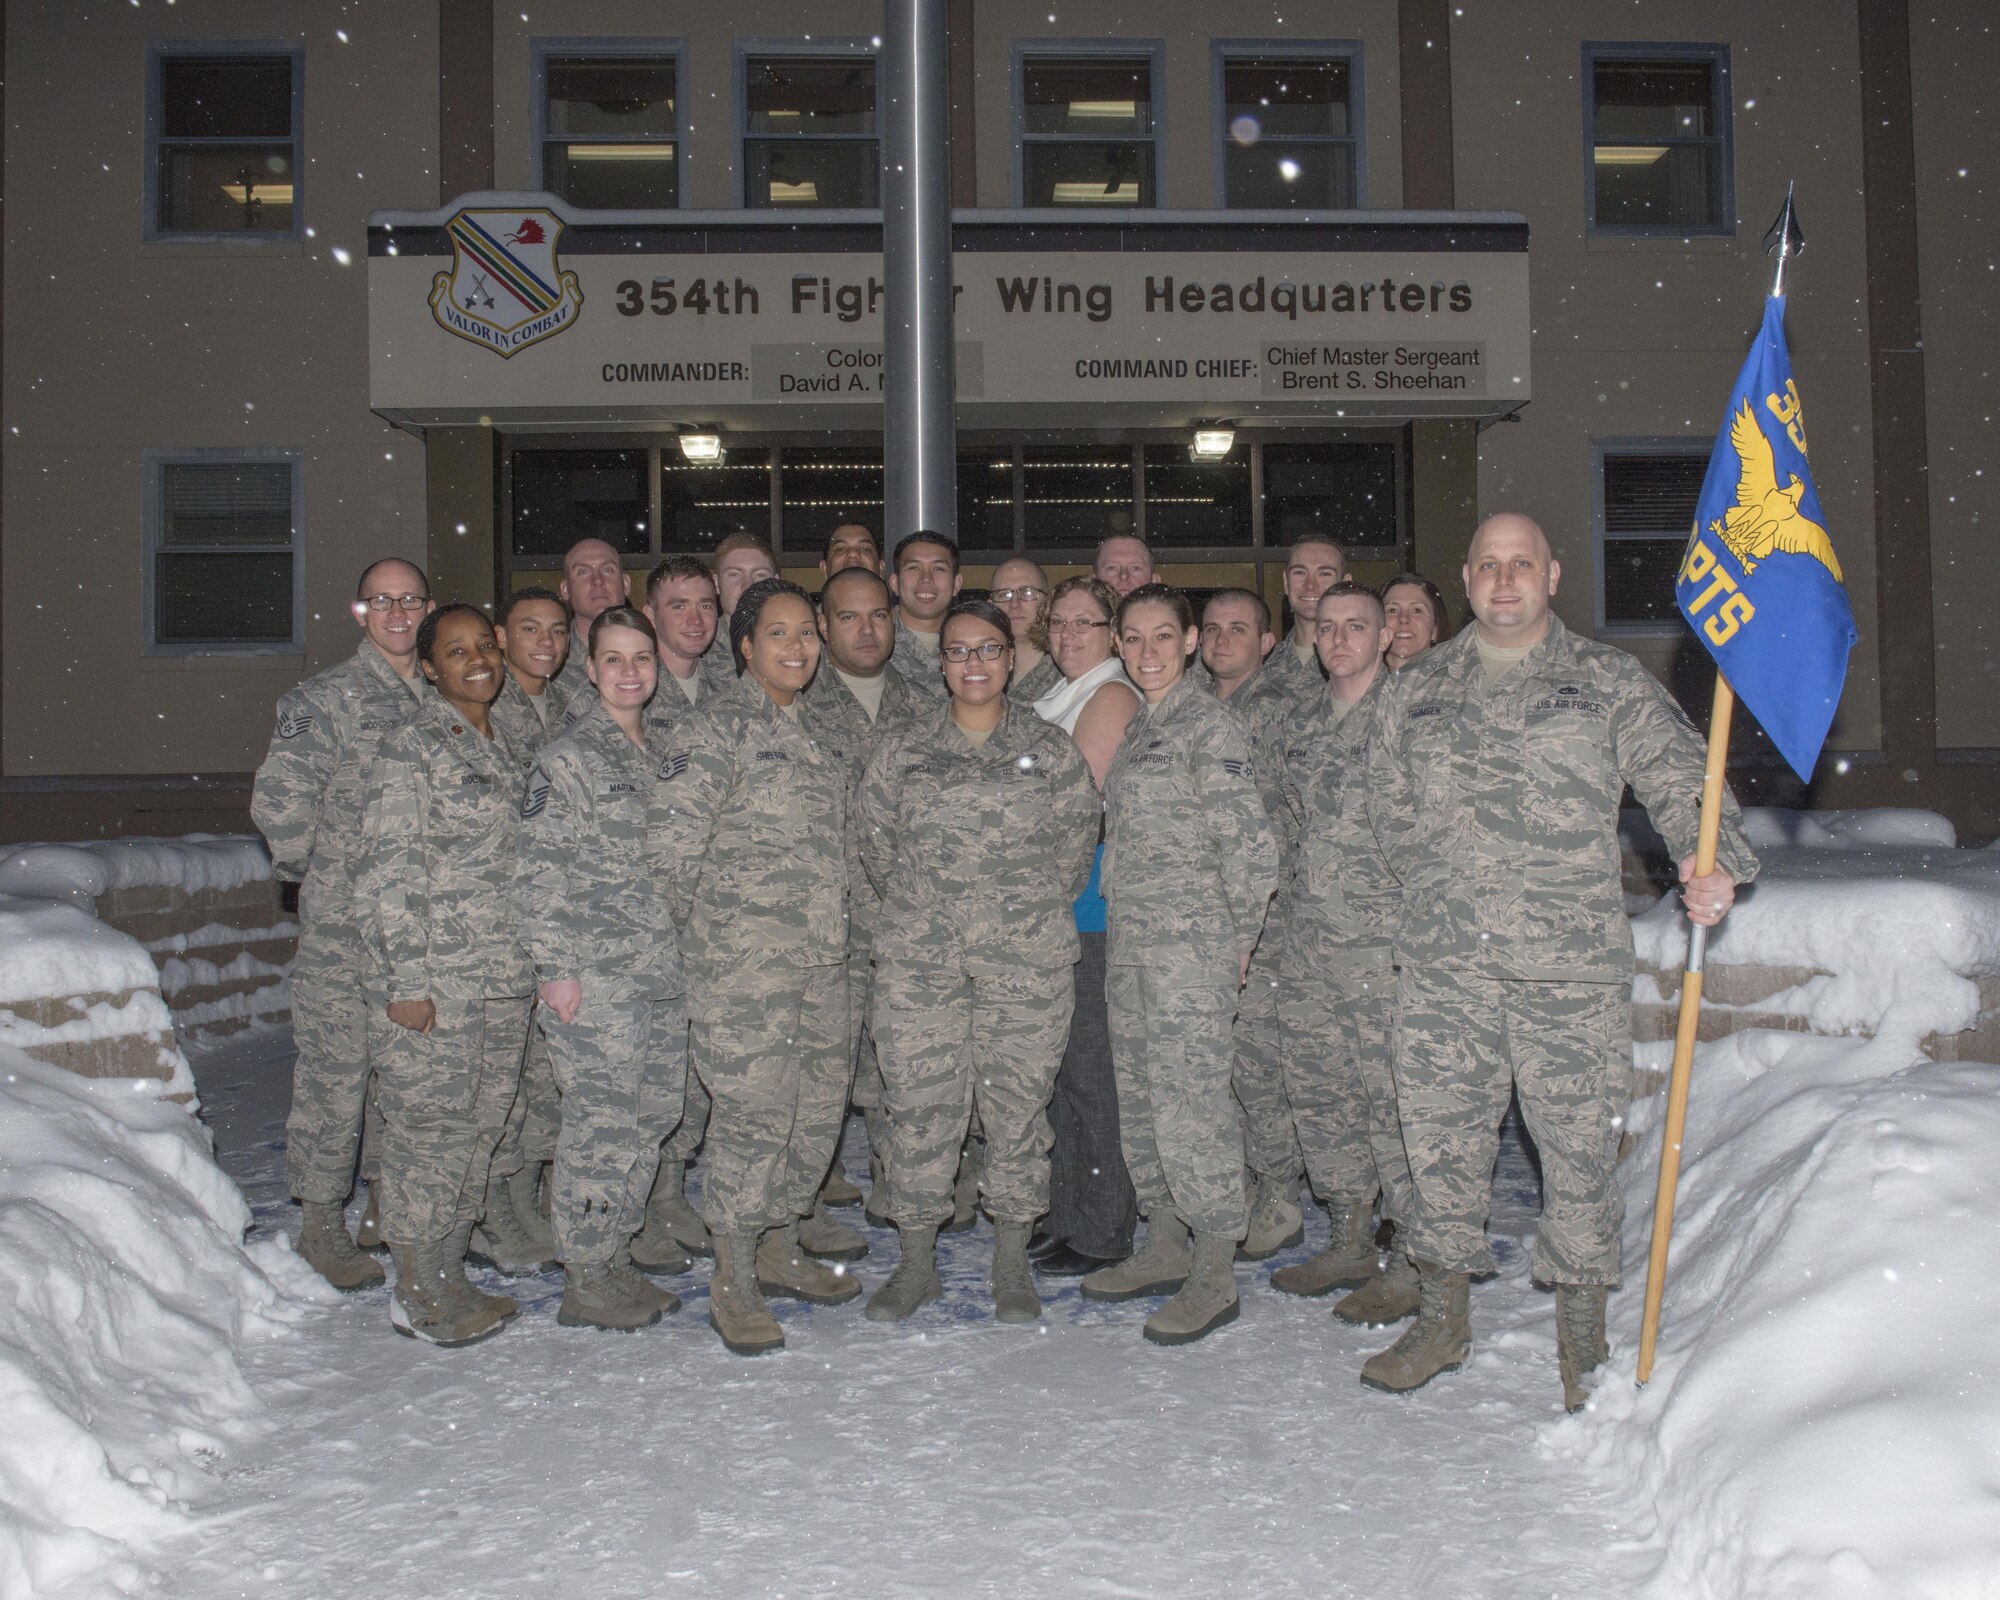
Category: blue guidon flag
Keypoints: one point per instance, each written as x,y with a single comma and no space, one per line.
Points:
1760,584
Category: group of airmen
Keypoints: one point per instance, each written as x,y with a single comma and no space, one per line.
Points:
1360,886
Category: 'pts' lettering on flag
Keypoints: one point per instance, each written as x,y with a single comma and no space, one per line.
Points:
1760,584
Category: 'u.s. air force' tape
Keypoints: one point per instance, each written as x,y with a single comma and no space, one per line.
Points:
294,723
537,797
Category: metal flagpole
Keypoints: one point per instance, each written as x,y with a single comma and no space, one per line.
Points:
1787,243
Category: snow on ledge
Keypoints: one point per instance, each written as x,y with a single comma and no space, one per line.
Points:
197,863
126,1296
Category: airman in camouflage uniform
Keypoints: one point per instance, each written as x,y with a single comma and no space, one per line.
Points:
1495,777
843,725
926,577
593,580
307,802
441,842
751,835
589,912
978,853
1338,997
1264,700
1189,869
513,1233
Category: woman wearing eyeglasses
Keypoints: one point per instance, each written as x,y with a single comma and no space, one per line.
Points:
976,823
1190,866
1092,1210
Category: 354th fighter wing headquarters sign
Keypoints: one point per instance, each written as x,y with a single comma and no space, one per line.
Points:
506,290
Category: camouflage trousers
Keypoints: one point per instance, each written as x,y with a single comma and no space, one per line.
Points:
331,1007
1258,1074
693,1126
773,1055
867,1088
536,1120
445,1099
952,1043
1341,1083
1178,1120
1462,1042
621,1066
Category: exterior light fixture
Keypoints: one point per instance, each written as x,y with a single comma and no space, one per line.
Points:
702,446
1212,441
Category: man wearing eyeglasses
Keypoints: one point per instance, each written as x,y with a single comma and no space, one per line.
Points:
1021,589
307,802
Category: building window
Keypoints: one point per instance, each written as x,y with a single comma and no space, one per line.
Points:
1196,502
223,570
1346,491
1656,124
1290,127
809,131
1646,493
610,125
223,130
702,503
1073,495
1087,129
561,496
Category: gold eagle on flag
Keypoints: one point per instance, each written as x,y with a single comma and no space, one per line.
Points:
1765,517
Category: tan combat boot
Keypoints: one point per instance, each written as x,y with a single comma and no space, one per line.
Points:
1015,1298
667,1207
915,1281
1440,1340
786,1271
736,1310
1206,1301
505,1306
1275,1220
424,1305
329,1251
524,1188
1348,1261
1160,1266
829,1238
501,1241
1388,1298
837,1191
369,1234
597,1295
965,1188
876,1121
1581,1347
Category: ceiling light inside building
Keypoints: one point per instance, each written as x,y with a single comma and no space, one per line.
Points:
1628,155
1097,194
701,445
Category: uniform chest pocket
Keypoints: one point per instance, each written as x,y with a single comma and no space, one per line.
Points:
468,803
620,804
1568,734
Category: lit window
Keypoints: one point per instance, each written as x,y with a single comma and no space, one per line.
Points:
224,136
611,131
809,132
1648,494
1658,137
1087,131
1290,132
223,551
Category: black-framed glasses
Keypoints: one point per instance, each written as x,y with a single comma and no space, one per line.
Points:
957,654
392,602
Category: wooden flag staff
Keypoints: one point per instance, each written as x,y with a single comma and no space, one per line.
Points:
1787,243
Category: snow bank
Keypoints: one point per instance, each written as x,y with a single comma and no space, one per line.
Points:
48,948
1823,1416
126,1294
198,863
1901,935
1769,827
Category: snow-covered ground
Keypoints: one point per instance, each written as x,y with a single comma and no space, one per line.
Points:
1824,1421
945,1456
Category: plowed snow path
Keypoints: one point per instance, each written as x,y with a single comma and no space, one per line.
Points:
948,1456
